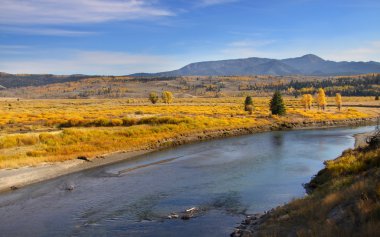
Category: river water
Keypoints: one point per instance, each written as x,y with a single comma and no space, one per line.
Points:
225,178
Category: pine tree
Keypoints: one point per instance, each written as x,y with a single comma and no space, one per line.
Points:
338,100
248,103
277,105
321,99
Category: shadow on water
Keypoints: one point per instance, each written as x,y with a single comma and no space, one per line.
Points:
278,139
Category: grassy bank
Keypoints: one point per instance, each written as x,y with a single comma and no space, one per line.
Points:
38,131
344,201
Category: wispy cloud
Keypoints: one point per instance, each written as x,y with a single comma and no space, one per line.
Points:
43,31
215,2
251,43
91,62
13,46
49,12
12,49
366,52
245,48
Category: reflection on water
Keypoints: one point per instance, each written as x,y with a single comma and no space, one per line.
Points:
277,139
224,178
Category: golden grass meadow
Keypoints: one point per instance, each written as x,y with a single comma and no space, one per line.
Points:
40,131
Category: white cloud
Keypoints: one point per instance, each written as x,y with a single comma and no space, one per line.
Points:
245,48
44,31
77,11
92,62
369,51
215,2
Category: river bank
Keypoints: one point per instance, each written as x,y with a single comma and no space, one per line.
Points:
17,178
343,200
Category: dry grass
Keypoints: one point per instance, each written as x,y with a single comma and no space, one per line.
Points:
36,131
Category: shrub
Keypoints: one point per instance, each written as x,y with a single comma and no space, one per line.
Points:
153,97
116,122
129,121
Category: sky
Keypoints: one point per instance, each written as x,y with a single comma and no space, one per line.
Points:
120,37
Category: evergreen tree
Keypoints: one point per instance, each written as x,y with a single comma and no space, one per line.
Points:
277,105
248,103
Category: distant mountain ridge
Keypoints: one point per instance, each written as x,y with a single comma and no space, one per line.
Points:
308,65
19,80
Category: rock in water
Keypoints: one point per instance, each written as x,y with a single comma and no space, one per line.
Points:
13,188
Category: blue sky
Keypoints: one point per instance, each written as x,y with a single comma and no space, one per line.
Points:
120,37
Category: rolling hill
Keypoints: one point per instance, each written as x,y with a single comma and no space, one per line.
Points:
20,80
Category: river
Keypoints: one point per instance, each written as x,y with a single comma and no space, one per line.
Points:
225,178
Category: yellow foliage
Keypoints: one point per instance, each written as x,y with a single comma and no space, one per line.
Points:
167,97
338,100
57,130
307,101
321,99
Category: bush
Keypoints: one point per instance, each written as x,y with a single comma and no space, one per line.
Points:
129,121
153,97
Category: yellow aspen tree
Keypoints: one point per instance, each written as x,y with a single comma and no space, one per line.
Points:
321,99
304,101
167,97
338,101
307,101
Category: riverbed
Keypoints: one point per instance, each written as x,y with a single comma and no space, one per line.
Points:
225,179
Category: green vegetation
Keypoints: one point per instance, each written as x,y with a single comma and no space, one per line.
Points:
248,104
248,101
277,105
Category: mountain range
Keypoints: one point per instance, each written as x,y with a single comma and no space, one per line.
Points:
308,65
